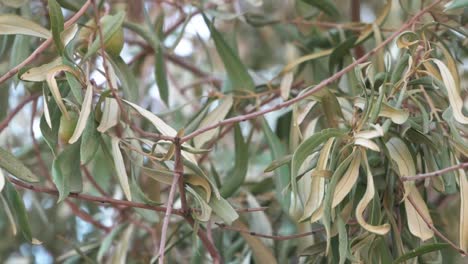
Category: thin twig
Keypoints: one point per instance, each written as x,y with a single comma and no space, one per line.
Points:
273,237
431,226
94,199
16,110
44,45
170,203
422,176
319,86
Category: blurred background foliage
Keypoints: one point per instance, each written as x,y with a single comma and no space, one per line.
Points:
333,164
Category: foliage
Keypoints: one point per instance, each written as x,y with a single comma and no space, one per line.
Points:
233,131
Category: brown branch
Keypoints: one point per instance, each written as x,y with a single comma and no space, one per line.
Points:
170,203
44,45
431,226
16,110
422,176
94,199
319,86
273,237
216,258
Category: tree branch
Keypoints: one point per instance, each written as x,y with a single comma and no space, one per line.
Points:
94,199
422,176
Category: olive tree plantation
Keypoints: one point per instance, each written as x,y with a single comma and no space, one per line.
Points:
233,131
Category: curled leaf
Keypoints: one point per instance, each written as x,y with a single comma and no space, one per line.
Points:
347,182
120,168
110,116
463,182
366,199
215,116
15,167
454,97
13,24
84,114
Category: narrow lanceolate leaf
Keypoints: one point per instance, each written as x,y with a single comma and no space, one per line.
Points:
56,24
224,210
213,117
14,25
109,28
317,188
47,73
110,116
121,251
397,116
15,202
239,77
455,4
205,213
403,159
160,73
46,108
463,182
236,176
285,86
107,242
346,183
66,171
454,97
306,148
15,167
326,6
157,122
261,253
421,251
120,168
2,180
366,199
84,114
89,141
282,173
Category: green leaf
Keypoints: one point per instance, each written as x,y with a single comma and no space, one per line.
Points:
306,148
111,27
224,210
50,133
326,6
75,87
15,167
120,168
66,171
127,78
215,116
84,114
160,73
14,25
236,176
421,251
239,77
15,202
282,174
56,24
455,4
107,242
90,141
338,53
